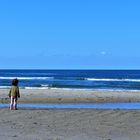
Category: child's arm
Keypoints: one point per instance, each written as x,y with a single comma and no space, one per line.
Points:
18,94
9,93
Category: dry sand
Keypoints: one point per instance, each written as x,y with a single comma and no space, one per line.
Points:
71,96
70,124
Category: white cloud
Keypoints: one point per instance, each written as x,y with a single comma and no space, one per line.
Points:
103,53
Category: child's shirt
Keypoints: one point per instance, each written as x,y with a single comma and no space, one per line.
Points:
14,91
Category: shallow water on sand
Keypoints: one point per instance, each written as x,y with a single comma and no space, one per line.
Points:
78,106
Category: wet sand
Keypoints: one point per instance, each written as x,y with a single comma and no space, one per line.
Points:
70,124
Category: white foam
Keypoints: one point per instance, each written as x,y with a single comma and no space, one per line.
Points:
35,88
5,87
26,78
120,80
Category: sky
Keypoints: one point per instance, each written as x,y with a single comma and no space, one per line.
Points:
70,34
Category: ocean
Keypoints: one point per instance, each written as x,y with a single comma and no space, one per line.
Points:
73,79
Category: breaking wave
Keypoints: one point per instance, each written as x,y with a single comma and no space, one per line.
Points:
26,78
107,79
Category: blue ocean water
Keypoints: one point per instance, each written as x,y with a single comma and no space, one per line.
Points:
73,79
127,106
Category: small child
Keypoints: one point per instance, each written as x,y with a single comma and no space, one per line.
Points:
14,94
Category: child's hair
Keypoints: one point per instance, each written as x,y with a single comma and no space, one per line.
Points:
15,82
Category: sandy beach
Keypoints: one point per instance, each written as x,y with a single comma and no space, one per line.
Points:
70,124
71,96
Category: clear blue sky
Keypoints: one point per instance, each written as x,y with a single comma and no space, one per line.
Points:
70,34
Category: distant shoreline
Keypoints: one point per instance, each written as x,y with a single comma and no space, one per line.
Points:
71,89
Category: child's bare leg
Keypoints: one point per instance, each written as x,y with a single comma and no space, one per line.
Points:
15,103
11,104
